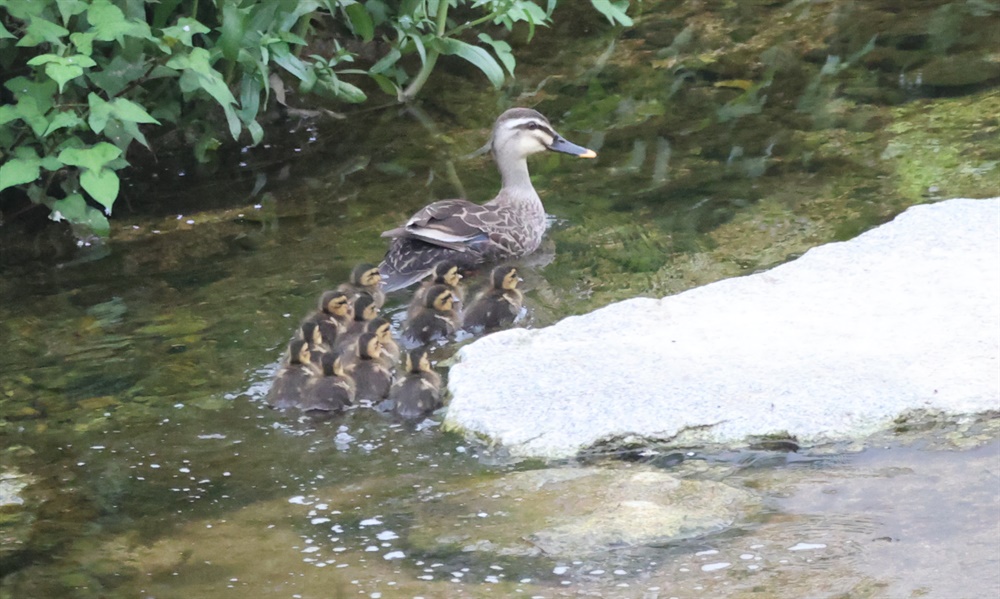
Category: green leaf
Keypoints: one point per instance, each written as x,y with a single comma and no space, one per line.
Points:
42,31
108,23
84,42
93,158
75,209
185,29
102,184
70,8
118,74
361,21
129,111
386,84
385,62
4,34
64,119
61,73
18,171
100,111
613,11
231,31
503,51
480,58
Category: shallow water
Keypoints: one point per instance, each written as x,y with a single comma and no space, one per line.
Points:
132,373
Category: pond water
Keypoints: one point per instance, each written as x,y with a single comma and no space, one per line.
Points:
731,137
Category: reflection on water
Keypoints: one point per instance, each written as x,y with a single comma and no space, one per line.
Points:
730,140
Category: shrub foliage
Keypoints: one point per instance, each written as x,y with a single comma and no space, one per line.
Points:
83,79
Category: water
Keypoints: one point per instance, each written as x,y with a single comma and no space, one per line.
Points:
132,373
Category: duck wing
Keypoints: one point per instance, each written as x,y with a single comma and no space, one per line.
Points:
445,229
452,224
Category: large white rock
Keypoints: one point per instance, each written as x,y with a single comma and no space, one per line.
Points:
831,346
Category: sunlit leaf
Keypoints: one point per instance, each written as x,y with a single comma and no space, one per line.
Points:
232,30
70,8
185,30
479,57
42,31
4,34
18,171
129,111
62,120
502,50
93,158
75,209
613,11
102,184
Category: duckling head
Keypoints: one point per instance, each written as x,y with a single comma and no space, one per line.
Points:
417,360
311,333
504,277
381,328
332,365
335,303
439,298
298,352
447,272
520,132
365,307
369,346
366,275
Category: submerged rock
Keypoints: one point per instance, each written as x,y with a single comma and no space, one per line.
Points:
832,346
573,512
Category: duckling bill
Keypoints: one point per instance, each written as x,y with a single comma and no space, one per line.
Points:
509,226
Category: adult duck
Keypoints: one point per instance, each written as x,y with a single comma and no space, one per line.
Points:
509,226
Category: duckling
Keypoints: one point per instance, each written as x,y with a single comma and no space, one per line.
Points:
509,226
365,278
446,272
334,314
365,309
332,392
294,376
310,332
382,329
419,392
371,376
497,306
436,319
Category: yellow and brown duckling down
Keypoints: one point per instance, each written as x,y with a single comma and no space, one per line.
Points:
509,226
372,378
335,313
311,332
365,278
382,328
499,304
418,393
331,392
436,319
293,378
447,272
364,309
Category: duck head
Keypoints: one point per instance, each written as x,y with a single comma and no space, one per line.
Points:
520,132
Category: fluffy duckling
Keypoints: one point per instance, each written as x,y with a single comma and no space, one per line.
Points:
372,377
499,305
310,332
437,318
382,328
419,392
332,392
364,311
334,314
294,376
365,278
446,272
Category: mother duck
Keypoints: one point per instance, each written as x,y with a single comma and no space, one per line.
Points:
510,225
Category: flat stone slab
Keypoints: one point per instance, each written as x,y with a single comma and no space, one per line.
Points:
832,346
574,512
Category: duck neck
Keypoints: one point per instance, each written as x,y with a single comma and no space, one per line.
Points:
516,182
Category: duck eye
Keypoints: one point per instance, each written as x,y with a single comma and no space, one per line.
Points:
532,125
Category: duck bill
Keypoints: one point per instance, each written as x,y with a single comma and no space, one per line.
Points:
566,147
